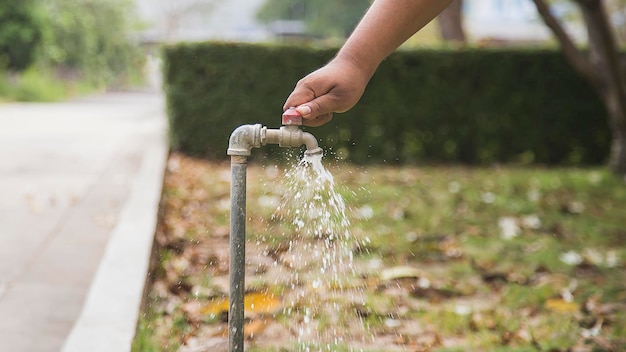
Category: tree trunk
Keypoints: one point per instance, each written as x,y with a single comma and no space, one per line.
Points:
605,58
451,23
614,102
601,67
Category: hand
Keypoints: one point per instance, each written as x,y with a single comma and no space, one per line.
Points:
336,87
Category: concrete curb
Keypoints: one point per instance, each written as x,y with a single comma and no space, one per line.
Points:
109,316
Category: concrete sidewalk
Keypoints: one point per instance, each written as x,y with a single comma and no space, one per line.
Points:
74,176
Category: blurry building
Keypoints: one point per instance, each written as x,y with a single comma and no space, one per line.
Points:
506,22
197,20
515,22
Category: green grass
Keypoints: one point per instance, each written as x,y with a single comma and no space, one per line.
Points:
41,84
487,292
31,85
144,340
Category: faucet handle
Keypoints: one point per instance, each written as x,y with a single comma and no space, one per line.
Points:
292,117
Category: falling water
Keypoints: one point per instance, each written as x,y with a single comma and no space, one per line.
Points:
322,291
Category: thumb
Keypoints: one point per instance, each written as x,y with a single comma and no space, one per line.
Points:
324,105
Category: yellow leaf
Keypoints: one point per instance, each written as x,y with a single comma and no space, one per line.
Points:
254,302
262,303
561,305
401,272
216,307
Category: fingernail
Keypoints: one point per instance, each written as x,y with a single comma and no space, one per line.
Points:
304,110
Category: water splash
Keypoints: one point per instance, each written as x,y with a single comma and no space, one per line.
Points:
322,290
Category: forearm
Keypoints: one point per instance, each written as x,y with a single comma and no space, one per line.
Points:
385,26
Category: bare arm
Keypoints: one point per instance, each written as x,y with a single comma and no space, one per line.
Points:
338,86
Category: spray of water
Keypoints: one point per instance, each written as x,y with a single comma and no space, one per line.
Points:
322,290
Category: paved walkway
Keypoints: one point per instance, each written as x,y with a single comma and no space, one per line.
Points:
67,173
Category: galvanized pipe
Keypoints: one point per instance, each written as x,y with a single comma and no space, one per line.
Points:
238,167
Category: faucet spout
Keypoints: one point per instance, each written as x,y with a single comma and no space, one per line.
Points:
292,136
246,137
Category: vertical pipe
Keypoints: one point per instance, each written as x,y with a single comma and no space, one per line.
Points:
238,168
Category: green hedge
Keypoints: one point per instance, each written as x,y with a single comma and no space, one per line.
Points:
470,106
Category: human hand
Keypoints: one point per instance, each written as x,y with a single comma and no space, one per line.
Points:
336,87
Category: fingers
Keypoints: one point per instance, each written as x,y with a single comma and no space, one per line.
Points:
304,110
335,87
309,118
315,111
311,100
299,96
317,120
320,109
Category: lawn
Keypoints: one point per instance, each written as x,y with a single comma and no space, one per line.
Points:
441,258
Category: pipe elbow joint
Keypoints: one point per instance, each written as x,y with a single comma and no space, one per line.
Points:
312,148
243,139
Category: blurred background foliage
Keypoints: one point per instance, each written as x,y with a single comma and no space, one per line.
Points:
328,22
55,48
21,30
322,18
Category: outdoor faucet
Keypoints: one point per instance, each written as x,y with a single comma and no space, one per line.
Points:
246,137
240,145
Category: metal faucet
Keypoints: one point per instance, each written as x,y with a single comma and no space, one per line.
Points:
246,137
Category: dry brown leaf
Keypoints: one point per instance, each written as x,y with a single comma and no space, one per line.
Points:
435,295
214,344
255,327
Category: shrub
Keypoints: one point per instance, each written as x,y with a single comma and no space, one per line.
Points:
34,85
91,38
469,106
21,27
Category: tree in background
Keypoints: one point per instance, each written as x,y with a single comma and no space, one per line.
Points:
337,18
617,11
21,29
451,23
91,38
599,64
329,18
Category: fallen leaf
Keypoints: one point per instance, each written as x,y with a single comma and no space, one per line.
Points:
180,287
196,344
262,303
192,310
254,328
254,302
400,272
215,307
561,305
435,295
482,320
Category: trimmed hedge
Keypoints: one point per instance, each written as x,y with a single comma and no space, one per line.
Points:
469,106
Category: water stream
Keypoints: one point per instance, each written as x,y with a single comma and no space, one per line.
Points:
322,290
